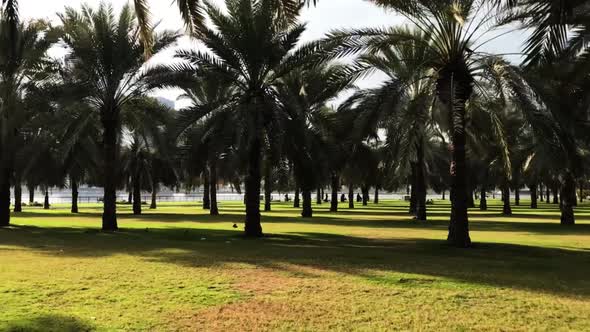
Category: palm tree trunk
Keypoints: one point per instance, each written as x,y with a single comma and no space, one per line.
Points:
517,195
470,199
46,201
483,200
506,209
214,211
318,197
253,227
454,88
581,191
365,190
296,202
335,186
267,187
568,197
154,203
110,124
351,196
307,211
376,199
443,194
533,188
18,194
541,192
74,187
413,197
547,194
31,190
136,194
206,190
420,184
5,198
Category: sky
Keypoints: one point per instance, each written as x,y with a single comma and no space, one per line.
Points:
321,19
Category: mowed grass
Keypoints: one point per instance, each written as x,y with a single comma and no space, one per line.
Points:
369,269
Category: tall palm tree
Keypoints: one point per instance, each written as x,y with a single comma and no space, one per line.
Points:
304,95
453,32
24,67
105,60
252,48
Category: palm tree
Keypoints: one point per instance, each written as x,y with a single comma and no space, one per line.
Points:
252,49
408,114
303,95
23,67
105,60
78,150
453,61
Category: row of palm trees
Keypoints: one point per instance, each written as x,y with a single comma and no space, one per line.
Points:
259,105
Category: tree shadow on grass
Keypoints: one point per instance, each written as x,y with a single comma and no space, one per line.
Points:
47,323
519,222
538,269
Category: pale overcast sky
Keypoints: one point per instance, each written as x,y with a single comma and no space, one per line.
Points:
326,16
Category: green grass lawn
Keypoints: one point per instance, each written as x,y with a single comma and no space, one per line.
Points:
368,269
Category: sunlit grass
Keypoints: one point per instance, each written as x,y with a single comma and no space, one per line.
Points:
371,268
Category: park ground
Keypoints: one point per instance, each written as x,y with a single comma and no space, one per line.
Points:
368,269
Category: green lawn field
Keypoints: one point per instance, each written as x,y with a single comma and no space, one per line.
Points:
368,269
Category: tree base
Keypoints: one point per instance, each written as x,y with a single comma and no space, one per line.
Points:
254,231
109,224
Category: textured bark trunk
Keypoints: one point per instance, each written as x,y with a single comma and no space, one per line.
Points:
483,200
581,191
154,202
376,199
267,192
568,197
541,199
306,212
351,196
470,199
547,194
5,198
334,200
253,227
136,194
267,187
454,88
533,188
74,187
365,190
413,197
420,182
517,196
318,197
506,209
18,195
296,202
110,124
443,195
206,190
214,210
46,200
31,190
130,195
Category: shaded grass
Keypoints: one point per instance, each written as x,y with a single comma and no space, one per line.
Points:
372,268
